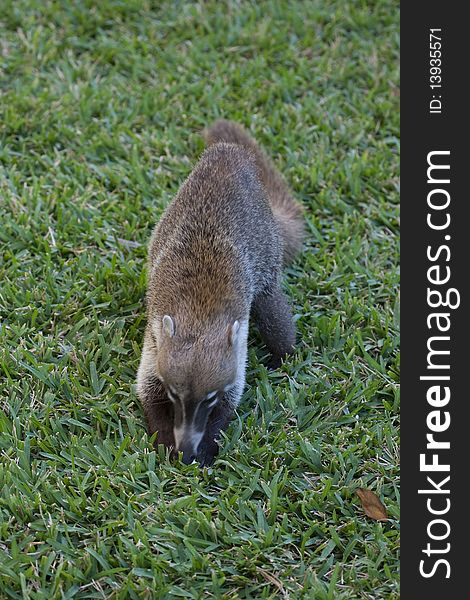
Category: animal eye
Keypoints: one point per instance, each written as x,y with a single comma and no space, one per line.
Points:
211,399
171,395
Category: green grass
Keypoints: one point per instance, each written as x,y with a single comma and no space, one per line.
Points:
101,105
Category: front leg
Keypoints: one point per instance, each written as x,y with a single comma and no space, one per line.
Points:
158,408
159,413
219,420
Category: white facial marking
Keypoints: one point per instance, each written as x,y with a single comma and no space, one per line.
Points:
172,392
171,396
187,434
195,438
178,433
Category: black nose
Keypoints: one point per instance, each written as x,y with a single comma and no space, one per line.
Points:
188,452
188,457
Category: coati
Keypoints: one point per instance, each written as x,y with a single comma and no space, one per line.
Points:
215,260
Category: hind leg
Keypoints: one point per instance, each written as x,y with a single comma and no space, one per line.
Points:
273,317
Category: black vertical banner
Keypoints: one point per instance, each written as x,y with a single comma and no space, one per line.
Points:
434,326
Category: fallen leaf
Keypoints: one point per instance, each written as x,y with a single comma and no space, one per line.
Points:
371,504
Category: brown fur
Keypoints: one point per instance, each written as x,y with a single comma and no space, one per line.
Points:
216,256
287,212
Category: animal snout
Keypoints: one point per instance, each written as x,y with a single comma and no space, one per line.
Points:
187,440
189,452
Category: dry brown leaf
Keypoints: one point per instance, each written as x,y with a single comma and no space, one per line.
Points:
371,504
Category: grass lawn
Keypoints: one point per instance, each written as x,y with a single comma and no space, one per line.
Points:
100,108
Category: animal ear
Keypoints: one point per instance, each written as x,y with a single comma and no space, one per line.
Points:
168,326
233,333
